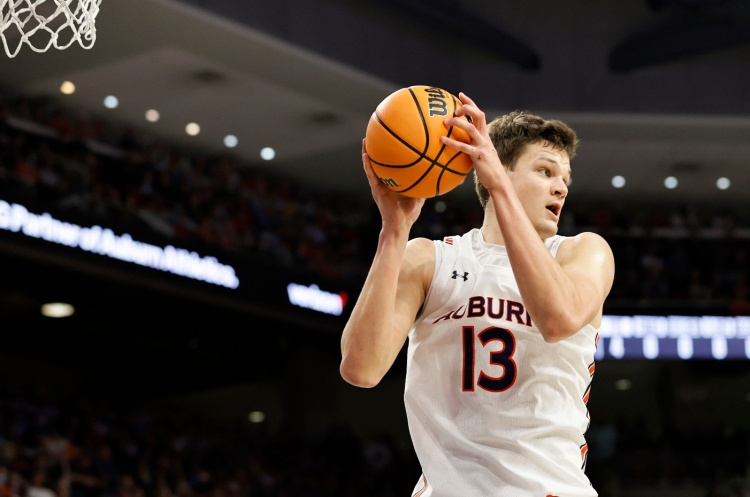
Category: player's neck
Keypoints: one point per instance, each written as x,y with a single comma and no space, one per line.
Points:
491,231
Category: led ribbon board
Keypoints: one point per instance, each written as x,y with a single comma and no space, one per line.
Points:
674,337
313,298
98,240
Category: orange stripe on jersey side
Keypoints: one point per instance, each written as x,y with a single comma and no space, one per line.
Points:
424,488
584,455
592,368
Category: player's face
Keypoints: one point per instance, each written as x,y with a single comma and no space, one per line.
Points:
541,179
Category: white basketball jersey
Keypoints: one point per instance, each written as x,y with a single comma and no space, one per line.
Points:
493,409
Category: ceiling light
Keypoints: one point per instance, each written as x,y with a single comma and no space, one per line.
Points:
57,310
670,182
111,102
267,153
192,129
723,183
618,181
230,141
67,88
152,115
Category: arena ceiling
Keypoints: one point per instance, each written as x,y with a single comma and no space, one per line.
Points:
654,88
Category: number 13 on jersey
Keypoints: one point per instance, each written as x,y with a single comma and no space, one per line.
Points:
501,360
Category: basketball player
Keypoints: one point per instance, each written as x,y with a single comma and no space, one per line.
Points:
501,321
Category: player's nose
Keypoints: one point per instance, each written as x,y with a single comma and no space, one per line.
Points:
559,187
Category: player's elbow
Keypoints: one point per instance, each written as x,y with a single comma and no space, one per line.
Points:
554,329
357,376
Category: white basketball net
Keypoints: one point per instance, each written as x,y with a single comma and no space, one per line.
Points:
42,24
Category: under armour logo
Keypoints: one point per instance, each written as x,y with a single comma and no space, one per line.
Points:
465,276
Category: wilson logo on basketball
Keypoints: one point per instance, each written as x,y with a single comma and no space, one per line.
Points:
437,104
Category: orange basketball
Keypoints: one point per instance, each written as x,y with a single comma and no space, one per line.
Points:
403,142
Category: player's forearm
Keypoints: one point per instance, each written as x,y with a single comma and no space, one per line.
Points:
369,344
549,294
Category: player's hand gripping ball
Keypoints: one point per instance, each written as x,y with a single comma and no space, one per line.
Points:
403,142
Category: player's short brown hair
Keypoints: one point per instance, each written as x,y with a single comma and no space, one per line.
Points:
512,132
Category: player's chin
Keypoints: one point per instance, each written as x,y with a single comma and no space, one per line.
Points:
548,229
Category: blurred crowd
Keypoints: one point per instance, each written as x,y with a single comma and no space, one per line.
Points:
90,171
86,448
702,460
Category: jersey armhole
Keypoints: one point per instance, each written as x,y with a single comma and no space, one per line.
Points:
430,291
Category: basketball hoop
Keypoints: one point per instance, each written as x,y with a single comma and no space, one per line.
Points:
42,24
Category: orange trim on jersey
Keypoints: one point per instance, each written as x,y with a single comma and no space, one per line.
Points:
587,394
423,489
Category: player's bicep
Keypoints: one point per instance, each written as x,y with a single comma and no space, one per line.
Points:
589,263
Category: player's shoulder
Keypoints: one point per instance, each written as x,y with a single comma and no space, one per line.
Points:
588,237
420,249
584,244
419,261
420,243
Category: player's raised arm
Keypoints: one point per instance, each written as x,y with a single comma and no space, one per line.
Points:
393,291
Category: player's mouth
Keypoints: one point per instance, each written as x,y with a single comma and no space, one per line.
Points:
555,209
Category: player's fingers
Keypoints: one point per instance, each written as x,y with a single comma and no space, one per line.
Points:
368,168
465,99
458,145
476,149
470,127
471,110
376,186
371,178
